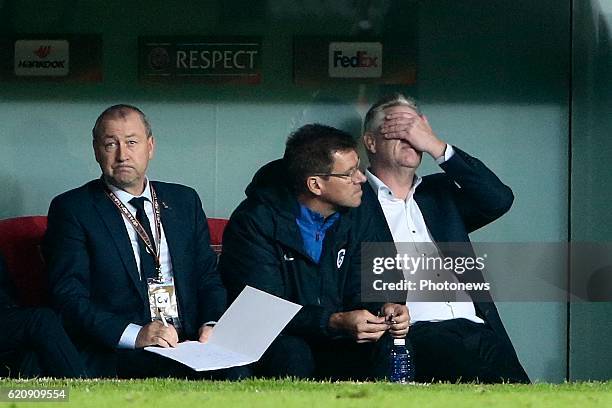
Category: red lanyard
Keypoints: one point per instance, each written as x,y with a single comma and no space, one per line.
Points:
154,252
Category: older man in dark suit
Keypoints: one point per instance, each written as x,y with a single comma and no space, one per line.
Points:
129,259
452,340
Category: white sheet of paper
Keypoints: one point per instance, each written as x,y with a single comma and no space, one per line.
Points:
242,335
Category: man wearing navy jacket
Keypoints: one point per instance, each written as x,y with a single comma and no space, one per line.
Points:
452,340
129,259
295,237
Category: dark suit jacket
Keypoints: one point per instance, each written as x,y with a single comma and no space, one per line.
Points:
452,212
93,274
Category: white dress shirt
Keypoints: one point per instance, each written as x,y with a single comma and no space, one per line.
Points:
128,338
406,223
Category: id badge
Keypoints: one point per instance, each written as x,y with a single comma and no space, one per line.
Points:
162,299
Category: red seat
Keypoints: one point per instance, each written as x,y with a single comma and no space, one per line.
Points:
20,240
216,227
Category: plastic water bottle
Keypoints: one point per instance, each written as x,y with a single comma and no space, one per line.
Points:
402,370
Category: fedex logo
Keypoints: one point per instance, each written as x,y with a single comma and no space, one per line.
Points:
361,60
355,60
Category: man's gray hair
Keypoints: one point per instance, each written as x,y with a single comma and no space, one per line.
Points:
120,111
375,116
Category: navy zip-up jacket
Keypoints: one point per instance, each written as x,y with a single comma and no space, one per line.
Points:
263,248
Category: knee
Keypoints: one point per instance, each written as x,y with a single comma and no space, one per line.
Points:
288,356
237,373
42,321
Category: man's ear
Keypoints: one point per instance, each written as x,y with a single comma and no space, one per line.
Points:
151,146
369,142
312,183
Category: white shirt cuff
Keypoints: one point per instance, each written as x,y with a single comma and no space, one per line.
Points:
448,153
128,338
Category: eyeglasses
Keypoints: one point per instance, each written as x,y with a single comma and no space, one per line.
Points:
353,174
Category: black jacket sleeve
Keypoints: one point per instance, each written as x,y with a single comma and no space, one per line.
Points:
66,250
480,195
372,239
211,295
250,257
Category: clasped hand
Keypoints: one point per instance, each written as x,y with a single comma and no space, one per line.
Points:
366,327
157,334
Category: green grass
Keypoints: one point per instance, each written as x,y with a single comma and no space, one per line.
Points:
285,394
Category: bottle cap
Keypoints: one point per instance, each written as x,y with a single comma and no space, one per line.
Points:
399,342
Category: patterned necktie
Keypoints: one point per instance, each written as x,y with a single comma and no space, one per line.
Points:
147,264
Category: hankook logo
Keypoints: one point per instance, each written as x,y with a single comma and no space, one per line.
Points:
43,51
355,60
41,58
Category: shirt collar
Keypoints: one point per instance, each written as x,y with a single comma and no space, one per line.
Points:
313,218
125,197
383,190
